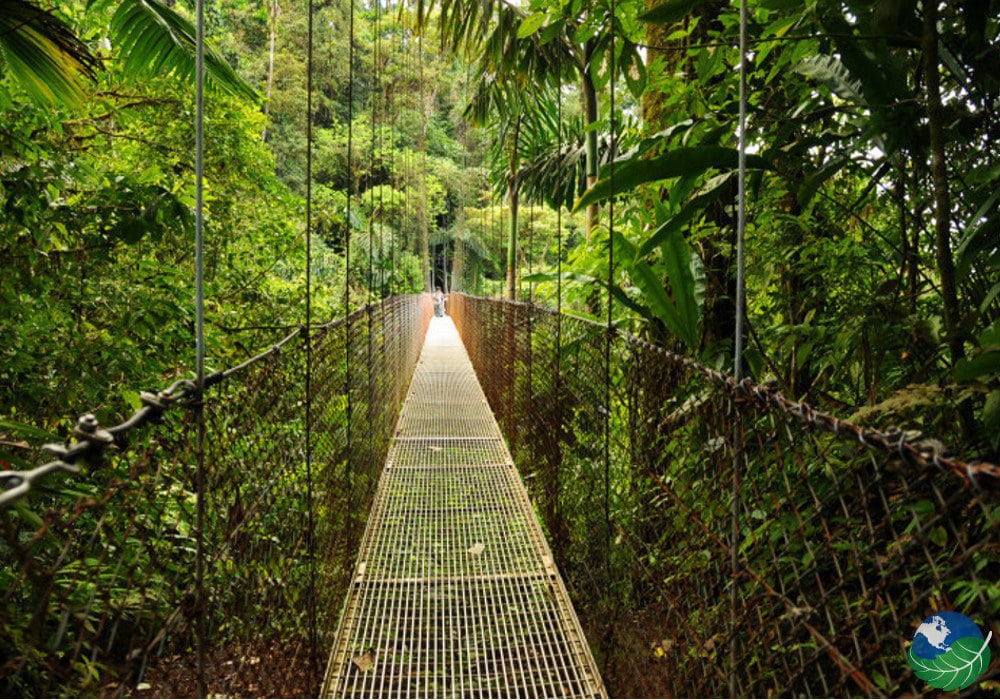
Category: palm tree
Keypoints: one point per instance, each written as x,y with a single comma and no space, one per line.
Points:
518,55
52,64
42,54
522,52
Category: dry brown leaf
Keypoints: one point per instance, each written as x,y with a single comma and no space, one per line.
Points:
365,662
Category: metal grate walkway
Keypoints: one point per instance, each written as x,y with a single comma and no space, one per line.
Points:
455,593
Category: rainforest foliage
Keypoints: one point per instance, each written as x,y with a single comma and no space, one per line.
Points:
478,146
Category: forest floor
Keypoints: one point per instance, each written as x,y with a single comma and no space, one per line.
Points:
261,670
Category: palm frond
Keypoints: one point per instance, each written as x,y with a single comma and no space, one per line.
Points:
155,40
43,55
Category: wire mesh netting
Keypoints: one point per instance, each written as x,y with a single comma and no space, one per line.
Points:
99,571
455,593
640,462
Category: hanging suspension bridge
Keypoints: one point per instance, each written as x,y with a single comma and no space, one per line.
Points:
351,513
261,575
455,592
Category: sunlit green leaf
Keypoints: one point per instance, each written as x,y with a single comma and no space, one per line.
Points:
155,40
43,54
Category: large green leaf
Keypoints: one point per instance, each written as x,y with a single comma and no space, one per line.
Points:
27,431
631,172
880,76
680,309
693,207
531,24
656,296
155,40
677,258
980,234
43,55
985,363
984,366
617,292
959,667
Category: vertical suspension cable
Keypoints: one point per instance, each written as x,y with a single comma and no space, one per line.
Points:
611,273
349,407
559,147
406,42
393,138
531,229
738,350
501,249
199,218
489,196
380,84
311,603
372,164
558,529
370,434
741,199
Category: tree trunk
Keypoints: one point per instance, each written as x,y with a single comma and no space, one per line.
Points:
589,95
272,26
425,251
942,195
512,202
908,245
657,43
719,318
458,281
942,208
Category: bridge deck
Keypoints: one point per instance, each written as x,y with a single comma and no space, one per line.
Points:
455,593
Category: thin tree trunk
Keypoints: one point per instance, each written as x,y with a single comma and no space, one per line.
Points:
942,195
589,95
512,202
272,20
908,245
942,209
425,251
458,281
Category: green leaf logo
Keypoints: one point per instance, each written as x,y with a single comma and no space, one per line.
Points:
957,668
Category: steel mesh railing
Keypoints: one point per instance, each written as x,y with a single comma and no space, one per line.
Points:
97,570
843,547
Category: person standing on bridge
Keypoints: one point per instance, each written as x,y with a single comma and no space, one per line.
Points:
439,300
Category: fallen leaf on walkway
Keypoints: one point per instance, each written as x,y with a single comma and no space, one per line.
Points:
365,662
476,549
